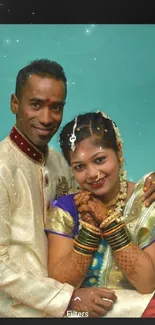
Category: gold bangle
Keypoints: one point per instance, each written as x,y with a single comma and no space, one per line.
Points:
81,253
85,247
114,230
109,220
89,227
86,242
118,233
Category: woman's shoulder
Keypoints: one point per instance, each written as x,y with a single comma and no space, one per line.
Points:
66,202
64,198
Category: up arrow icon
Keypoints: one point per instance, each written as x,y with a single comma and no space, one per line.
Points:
77,298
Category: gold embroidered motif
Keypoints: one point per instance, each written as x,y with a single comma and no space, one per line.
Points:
59,221
62,187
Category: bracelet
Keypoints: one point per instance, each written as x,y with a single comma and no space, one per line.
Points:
77,243
109,220
92,229
87,240
81,251
117,235
114,229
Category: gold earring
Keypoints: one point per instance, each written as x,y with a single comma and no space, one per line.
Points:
121,160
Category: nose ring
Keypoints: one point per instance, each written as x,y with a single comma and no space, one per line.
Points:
98,176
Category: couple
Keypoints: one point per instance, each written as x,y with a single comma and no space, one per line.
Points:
31,176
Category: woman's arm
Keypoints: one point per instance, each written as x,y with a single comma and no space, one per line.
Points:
69,258
64,264
138,266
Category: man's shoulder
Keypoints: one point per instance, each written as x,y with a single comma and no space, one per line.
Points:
5,148
54,151
54,154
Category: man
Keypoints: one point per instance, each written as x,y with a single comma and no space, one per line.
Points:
30,175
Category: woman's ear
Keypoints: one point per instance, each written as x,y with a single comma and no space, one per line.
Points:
14,103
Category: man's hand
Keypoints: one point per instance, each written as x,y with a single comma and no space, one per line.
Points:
149,190
96,302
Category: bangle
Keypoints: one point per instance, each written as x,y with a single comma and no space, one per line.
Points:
92,229
114,229
87,240
117,236
81,251
85,247
109,220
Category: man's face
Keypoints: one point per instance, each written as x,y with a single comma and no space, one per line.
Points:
39,110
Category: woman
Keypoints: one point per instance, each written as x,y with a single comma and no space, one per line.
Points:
103,235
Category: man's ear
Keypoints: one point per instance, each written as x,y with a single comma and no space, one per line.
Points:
14,103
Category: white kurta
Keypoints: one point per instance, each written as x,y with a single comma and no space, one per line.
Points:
26,186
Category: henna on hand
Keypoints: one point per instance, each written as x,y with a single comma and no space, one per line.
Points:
90,207
72,269
82,197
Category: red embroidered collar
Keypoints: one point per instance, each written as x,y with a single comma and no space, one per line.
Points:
26,146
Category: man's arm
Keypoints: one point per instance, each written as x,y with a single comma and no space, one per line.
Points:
44,294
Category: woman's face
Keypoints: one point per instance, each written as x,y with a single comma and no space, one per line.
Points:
89,162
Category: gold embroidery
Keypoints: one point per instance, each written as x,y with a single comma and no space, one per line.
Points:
62,187
59,221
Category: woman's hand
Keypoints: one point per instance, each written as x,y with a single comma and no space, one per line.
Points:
91,209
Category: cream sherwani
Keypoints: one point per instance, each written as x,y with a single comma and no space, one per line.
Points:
27,182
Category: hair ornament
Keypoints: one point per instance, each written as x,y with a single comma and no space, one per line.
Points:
72,138
116,129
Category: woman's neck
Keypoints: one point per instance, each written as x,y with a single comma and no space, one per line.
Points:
110,196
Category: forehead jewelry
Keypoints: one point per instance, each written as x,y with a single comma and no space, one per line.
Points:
72,138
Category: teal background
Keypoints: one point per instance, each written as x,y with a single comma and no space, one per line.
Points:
109,68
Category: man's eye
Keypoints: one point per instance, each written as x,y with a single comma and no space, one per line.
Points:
36,105
57,108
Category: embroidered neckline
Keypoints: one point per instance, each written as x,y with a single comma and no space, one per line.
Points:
27,147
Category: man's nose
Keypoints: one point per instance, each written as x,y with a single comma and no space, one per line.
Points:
45,116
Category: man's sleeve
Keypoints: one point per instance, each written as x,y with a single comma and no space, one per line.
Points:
44,294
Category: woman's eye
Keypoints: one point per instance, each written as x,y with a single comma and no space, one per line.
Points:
79,167
100,160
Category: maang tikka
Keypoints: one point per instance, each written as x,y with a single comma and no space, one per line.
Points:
72,138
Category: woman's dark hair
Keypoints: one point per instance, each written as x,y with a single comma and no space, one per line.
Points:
93,125
42,68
